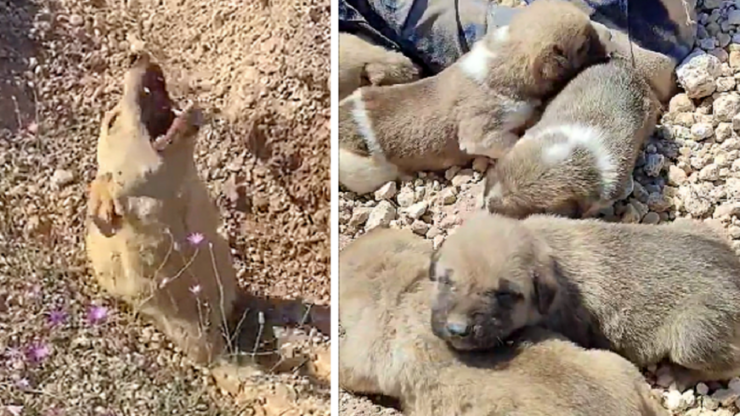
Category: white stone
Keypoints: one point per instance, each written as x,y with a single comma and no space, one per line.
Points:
386,191
726,107
417,210
723,132
701,131
697,74
672,400
406,197
480,164
709,173
62,178
448,196
462,177
681,103
702,389
381,216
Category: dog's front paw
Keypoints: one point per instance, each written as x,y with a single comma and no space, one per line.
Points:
103,208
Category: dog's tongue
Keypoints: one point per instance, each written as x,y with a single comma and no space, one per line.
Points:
146,85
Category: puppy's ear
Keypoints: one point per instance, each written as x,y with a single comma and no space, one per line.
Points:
551,65
543,278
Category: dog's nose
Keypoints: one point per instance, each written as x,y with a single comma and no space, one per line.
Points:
458,329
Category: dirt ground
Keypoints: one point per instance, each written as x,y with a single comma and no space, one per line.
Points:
261,72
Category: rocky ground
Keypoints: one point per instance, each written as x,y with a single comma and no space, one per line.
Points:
261,71
690,168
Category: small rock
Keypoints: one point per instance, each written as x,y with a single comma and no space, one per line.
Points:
684,119
726,107
651,218
381,216
697,74
76,20
701,131
672,400
419,227
702,389
448,196
433,232
723,131
417,210
462,177
728,209
451,172
681,103
406,197
359,216
480,164
387,191
735,59
725,397
62,178
709,173
631,215
658,202
734,383
654,164
733,17
734,232
725,84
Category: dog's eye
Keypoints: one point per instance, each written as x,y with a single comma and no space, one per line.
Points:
506,297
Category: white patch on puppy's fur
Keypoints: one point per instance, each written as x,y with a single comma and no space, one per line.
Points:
475,63
501,34
517,113
364,127
590,138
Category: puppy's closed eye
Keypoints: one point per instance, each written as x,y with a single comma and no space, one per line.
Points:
505,297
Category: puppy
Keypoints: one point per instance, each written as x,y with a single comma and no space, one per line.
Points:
580,156
151,234
477,106
388,348
646,292
362,63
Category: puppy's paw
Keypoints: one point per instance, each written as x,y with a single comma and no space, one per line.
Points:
186,124
103,209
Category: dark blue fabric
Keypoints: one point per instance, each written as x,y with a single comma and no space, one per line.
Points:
435,33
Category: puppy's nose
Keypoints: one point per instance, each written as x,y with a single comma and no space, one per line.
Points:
458,329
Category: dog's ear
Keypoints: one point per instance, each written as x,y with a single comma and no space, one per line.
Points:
550,65
544,281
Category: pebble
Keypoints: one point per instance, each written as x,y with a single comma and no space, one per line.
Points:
654,164
448,196
676,175
417,210
681,103
406,197
359,216
381,216
702,389
462,177
651,218
480,164
702,131
387,191
697,74
62,178
726,107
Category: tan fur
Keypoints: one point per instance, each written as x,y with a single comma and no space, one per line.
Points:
646,292
441,121
580,156
143,205
388,348
362,63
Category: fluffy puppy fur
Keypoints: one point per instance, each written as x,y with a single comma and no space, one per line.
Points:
387,347
145,205
363,63
597,283
477,106
580,156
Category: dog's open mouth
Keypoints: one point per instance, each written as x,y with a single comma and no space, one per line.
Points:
161,119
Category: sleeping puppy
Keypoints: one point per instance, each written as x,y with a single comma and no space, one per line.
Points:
362,63
388,348
580,156
152,227
648,293
478,106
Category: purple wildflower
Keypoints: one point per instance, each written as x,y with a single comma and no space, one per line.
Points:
57,317
195,239
195,289
23,384
97,314
37,352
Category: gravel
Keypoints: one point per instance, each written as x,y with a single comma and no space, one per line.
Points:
690,168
